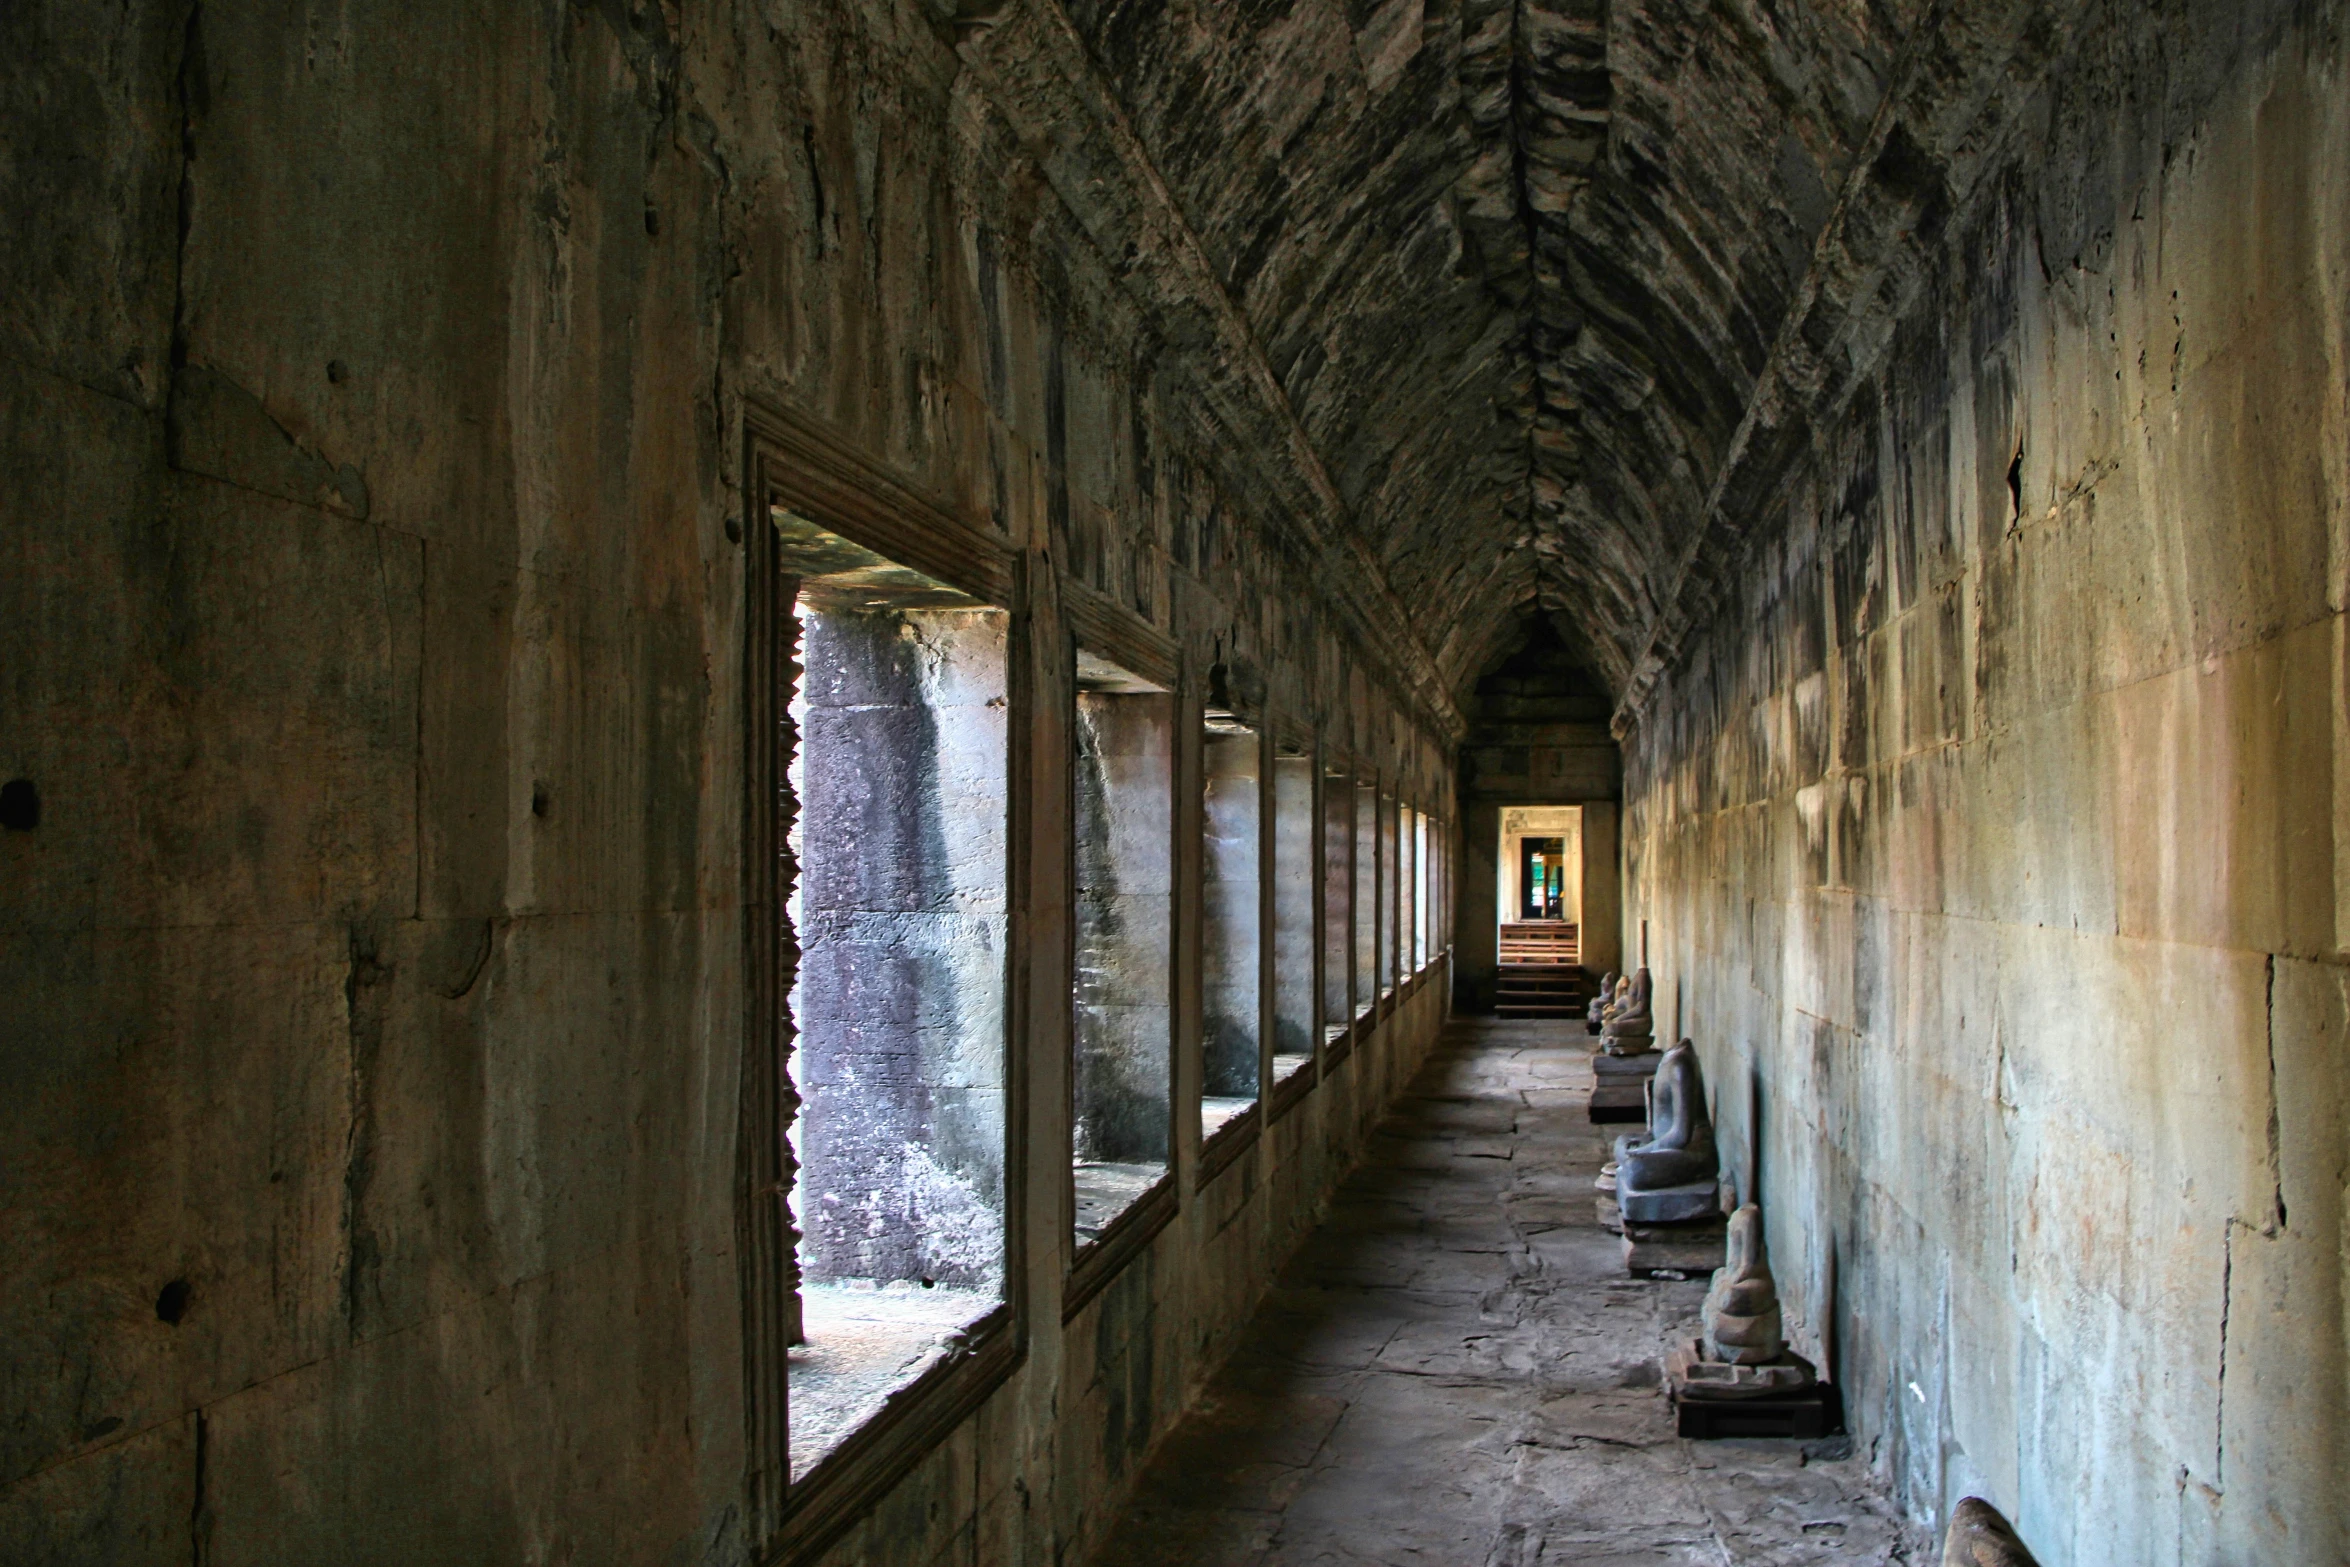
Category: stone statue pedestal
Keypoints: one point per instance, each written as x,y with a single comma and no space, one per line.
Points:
1687,1250
1712,1399
1618,1102
1670,1204
1694,1374
1625,1069
1619,1089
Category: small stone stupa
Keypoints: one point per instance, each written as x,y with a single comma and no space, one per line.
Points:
1743,1353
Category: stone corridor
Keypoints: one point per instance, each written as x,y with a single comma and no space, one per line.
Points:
768,770
1456,1370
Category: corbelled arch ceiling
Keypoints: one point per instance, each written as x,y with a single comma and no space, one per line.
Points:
1519,266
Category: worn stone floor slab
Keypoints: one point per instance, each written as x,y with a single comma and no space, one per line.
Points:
1455,1370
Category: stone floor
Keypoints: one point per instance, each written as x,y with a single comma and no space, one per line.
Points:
1455,1370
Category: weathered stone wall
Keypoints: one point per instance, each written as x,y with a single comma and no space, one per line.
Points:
1295,881
371,388
1125,980
1232,915
1992,829
902,782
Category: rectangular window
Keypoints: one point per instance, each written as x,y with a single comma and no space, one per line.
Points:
1390,894
1440,931
898,911
1293,911
1366,915
1123,759
1338,847
1420,882
1231,918
1406,889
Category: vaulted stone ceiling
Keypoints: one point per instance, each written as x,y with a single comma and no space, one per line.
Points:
1518,264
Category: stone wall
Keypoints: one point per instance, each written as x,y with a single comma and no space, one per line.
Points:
372,387
1125,976
1295,882
902,780
1232,914
1538,736
1991,830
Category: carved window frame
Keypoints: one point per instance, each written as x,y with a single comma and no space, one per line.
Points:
796,461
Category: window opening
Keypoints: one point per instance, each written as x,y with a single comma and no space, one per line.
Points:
1293,911
1407,881
898,910
1232,912
1124,1022
1390,895
1367,873
1338,873
1440,882
1421,883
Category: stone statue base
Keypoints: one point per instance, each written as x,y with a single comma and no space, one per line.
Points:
1626,1044
1693,1374
1784,1398
1618,1100
1685,1251
1670,1204
1621,1069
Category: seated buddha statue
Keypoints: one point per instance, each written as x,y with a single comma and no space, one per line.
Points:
1596,1014
1671,1176
1632,1028
1663,1110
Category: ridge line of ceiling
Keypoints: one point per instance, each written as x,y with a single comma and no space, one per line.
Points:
1156,239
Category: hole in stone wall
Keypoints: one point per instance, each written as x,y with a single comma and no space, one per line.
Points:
1231,914
2015,485
20,805
1293,911
171,1303
1122,990
1338,870
899,911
